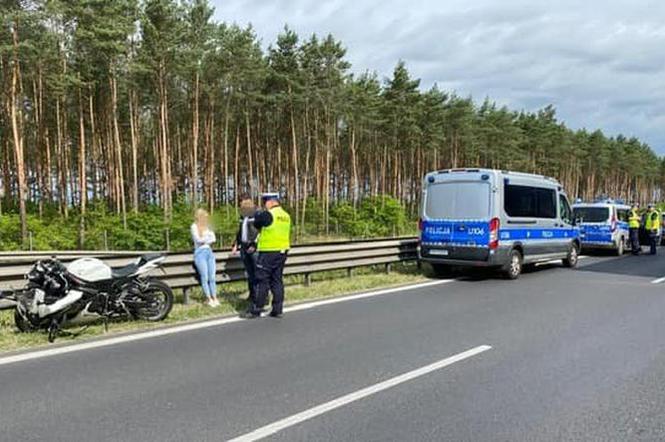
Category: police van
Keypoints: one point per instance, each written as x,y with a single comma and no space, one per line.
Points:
603,225
493,218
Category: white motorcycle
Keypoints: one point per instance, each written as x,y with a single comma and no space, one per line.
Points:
86,290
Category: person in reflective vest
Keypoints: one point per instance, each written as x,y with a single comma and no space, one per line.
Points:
274,225
634,229
652,226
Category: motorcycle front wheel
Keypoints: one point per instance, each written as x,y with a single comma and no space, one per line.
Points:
157,302
22,323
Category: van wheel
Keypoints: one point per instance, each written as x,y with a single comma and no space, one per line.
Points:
618,250
513,268
573,257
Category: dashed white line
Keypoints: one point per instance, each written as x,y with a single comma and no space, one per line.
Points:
298,418
658,281
198,325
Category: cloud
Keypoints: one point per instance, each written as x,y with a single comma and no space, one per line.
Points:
601,63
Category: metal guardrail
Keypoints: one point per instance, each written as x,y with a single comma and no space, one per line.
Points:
179,270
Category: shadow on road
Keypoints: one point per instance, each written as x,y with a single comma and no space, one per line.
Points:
644,265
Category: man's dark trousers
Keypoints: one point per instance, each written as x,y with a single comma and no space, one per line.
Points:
269,271
634,240
249,260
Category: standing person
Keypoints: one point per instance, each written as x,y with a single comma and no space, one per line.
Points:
273,245
204,259
245,242
652,226
634,229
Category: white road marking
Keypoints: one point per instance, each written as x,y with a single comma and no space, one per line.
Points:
557,261
658,281
298,418
198,325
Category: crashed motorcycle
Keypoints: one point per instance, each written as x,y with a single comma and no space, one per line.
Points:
87,290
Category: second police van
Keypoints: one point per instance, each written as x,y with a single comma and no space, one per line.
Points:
603,225
493,218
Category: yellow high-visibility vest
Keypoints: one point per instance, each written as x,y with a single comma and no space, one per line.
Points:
634,220
277,236
653,220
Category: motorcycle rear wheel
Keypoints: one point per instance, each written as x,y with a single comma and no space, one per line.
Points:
163,297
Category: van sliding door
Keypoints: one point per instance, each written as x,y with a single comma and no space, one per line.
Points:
532,219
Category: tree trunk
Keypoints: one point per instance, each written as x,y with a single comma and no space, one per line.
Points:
16,116
83,180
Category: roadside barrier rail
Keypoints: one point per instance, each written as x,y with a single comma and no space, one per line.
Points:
179,272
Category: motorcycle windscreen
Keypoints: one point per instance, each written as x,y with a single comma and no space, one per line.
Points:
457,212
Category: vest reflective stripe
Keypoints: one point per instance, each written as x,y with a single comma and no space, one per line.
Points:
277,236
634,220
653,220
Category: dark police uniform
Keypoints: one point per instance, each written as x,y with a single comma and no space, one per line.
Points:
273,246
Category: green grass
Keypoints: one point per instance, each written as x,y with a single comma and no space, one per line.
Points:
233,300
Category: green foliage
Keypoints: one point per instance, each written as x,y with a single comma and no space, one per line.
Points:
375,217
147,230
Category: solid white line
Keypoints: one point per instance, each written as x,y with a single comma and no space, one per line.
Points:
658,281
197,326
558,261
298,418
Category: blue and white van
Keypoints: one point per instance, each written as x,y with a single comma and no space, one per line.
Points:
603,225
493,218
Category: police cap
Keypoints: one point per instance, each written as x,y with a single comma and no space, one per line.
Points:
267,196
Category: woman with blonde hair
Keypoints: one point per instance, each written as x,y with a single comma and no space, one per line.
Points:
204,259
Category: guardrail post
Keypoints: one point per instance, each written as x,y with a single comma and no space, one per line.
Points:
30,239
308,279
388,267
106,240
349,272
168,239
185,296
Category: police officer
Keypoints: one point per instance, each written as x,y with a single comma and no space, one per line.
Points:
274,224
652,226
634,229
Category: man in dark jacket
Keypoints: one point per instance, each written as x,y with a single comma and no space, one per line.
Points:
245,242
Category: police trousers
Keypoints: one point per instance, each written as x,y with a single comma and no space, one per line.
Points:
269,278
654,238
634,240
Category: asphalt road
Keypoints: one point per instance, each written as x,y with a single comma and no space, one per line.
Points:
576,355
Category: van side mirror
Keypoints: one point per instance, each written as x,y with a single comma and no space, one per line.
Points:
577,221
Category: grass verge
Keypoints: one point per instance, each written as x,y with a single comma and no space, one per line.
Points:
233,300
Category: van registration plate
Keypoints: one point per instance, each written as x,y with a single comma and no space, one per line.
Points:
440,252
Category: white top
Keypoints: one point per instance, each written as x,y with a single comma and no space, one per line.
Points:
204,240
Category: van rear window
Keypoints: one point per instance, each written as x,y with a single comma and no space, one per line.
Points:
592,214
458,200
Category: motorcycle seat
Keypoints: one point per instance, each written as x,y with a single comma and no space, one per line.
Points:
122,272
149,257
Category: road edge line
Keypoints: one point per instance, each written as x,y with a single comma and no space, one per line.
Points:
141,335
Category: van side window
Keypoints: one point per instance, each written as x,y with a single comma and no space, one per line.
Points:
622,215
530,202
566,211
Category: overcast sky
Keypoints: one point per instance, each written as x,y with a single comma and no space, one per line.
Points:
600,62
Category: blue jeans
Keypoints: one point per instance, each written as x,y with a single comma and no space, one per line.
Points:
204,260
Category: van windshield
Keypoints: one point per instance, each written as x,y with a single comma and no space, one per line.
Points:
592,214
458,200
